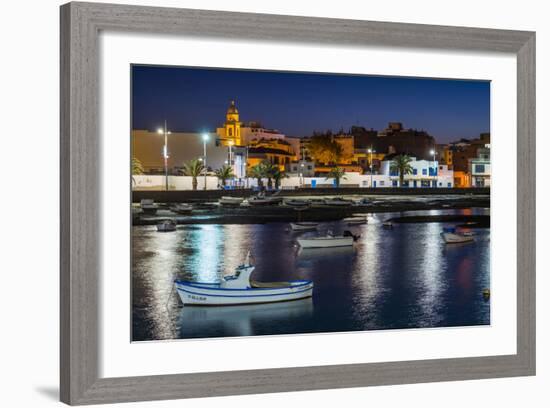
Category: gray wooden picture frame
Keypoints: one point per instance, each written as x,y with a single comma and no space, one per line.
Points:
81,24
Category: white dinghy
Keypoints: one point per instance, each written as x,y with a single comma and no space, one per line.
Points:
329,241
239,289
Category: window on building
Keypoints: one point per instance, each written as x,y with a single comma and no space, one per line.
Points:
415,172
381,183
424,172
449,185
309,167
479,168
393,183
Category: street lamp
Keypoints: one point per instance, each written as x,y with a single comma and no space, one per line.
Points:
164,131
433,153
205,138
371,151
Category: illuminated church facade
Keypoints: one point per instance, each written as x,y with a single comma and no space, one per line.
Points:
250,143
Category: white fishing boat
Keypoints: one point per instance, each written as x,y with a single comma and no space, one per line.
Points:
182,208
355,220
303,226
451,236
148,206
387,225
231,201
239,288
329,241
166,226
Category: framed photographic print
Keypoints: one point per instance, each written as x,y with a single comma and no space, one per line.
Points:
259,203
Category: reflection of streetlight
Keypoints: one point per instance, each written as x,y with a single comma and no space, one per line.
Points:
166,132
205,138
433,153
371,151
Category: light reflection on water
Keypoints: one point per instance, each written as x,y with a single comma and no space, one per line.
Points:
400,278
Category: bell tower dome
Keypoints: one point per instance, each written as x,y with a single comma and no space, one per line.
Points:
232,126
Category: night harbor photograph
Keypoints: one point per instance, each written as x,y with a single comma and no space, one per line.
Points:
283,203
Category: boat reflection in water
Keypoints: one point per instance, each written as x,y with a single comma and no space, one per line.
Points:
243,320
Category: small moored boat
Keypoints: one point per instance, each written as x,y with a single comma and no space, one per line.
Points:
303,226
297,203
355,220
148,206
182,208
262,199
231,201
451,236
329,241
239,288
166,226
387,225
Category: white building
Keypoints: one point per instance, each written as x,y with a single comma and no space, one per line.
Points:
425,173
480,168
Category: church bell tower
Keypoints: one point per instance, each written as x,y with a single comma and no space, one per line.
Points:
232,126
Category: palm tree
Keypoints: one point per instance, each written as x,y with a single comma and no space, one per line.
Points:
269,171
402,165
337,174
194,169
225,173
278,175
137,168
257,172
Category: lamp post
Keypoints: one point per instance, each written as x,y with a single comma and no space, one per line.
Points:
166,132
205,138
371,151
302,166
433,153
231,143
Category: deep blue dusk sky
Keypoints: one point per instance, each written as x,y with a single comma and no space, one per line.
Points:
196,99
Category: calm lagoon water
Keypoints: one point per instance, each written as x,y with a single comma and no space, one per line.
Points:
392,279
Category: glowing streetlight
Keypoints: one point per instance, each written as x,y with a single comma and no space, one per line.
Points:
164,131
205,138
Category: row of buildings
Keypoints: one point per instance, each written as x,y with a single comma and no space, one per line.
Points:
364,154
